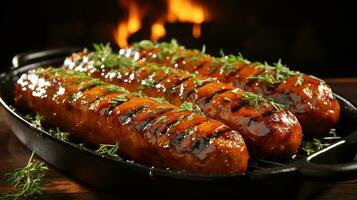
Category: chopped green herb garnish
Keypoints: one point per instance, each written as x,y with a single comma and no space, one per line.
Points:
114,88
27,180
276,74
149,82
312,147
90,83
35,119
161,100
151,111
166,48
255,100
104,56
118,98
190,117
59,134
108,149
188,106
162,119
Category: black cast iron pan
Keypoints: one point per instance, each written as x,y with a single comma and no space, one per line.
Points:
296,178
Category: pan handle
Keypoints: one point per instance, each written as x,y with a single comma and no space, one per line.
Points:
316,166
35,56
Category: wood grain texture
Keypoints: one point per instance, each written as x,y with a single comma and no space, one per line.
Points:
57,186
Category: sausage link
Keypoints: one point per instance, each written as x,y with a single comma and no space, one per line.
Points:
306,96
147,131
269,132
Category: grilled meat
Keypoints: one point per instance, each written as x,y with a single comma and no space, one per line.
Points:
268,129
306,96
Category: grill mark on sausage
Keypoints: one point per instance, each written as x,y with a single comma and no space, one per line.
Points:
195,88
126,118
167,126
181,136
202,143
145,124
240,105
198,67
206,100
178,84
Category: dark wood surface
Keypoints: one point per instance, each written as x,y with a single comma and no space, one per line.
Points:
13,154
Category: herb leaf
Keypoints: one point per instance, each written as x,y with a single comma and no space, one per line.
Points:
255,100
160,100
59,134
35,119
27,180
312,147
103,55
108,149
277,74
188,106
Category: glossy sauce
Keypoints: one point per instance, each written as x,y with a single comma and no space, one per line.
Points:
312,102
147,131
217,100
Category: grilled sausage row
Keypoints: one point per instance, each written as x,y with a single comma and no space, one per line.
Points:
147,130
268,129
308,97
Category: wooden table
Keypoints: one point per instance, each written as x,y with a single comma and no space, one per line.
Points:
14,154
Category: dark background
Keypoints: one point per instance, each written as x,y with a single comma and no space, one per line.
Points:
317,38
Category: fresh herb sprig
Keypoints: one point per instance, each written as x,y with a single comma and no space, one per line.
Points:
103,55
255,100
312,147
277,73
108,150
35,119
167,49
188,106
62,135
160,100
27,180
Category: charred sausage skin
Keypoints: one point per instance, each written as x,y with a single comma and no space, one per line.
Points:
147,131
307,97
268,131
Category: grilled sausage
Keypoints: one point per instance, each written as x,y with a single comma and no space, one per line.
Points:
308,97
147,131
268,130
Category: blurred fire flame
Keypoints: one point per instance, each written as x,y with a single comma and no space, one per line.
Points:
131,25
185,11
158,30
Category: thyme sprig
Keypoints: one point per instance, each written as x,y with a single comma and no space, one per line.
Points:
255,100
229,62
277,73
167,49
188,106
160,100
103,55
27,180
35,119
312,147
108,150
59,134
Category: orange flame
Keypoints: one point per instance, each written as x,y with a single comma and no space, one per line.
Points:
177,11
185,11
128,27
157,30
